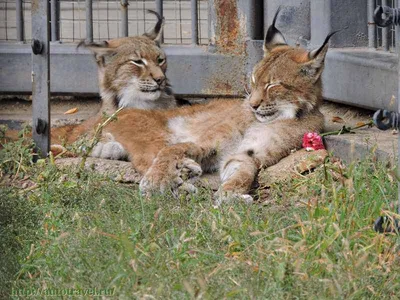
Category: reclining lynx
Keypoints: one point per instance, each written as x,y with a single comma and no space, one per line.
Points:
233,136
132,70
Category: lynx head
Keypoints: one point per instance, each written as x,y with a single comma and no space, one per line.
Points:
286,83
132,69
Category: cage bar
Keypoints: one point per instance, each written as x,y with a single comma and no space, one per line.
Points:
195,25
398,105
124,18
385,32
55,20
371,25
160,11
19,20
160,7
89,21
41,76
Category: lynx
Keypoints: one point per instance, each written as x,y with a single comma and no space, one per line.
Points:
131,71
234,137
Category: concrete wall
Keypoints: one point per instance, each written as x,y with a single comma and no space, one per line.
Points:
294,19
331,15
354,74
309,22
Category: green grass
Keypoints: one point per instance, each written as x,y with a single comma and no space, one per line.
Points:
313,239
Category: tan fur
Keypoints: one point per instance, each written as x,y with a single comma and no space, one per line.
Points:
124,83
233,136
131,72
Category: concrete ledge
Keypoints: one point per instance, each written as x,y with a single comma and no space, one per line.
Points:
192,70
381,145
361,77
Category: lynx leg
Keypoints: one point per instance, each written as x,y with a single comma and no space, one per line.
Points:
172,170
237,175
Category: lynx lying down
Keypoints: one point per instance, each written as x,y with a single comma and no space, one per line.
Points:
233,136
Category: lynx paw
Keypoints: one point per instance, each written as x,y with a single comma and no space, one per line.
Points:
222,196
108,148
178,180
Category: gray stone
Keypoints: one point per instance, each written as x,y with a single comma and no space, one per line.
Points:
371,142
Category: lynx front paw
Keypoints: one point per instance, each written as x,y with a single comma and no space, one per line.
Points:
109,150
176,179
222,197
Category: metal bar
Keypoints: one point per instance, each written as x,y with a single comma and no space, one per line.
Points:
20,20
398,105
41,76
195,25
211,29
385,32
89,21
124,18
160,10
55,32
371,25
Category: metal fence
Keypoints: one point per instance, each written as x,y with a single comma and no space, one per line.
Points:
381,38
232,30
110,19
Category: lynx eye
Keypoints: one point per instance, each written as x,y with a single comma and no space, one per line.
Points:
161,61
138,62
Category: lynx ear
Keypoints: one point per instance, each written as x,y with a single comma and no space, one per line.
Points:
314,67
101,51
156,32
274,37
102,48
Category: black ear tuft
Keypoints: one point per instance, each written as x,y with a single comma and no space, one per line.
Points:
314,53
156,32
314,67
274,37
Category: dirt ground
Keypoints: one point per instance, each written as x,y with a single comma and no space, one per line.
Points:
16,110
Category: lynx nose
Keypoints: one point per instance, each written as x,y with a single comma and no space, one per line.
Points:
255,106
159,80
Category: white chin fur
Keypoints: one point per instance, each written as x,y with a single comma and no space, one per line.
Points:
149,96
131,96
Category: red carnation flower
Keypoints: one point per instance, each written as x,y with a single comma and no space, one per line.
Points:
312,141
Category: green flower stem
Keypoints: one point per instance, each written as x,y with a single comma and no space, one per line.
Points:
345,129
